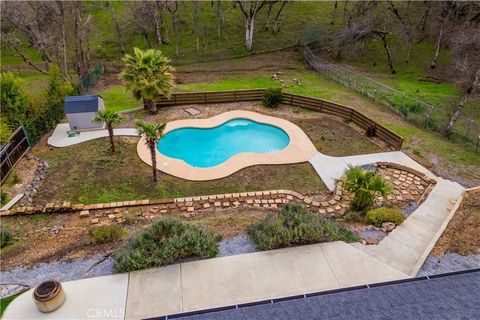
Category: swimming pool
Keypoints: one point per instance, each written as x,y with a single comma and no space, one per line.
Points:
208,147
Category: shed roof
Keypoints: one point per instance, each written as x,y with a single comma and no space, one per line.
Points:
79,104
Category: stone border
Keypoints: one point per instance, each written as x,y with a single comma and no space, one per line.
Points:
300,148
334,207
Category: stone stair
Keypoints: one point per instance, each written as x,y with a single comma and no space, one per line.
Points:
407,247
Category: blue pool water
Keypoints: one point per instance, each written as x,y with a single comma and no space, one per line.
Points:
209,147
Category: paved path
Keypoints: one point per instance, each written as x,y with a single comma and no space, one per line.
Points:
332,168
59,137
212,283
407,247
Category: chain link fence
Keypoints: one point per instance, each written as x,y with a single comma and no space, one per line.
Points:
91,79
419,112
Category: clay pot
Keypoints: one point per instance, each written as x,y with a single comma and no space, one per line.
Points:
49,296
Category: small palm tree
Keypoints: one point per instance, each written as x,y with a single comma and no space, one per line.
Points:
148,74
366,185
110,118
152,133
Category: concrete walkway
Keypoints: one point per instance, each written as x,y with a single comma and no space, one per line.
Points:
332,168
59,137
407,247
212,283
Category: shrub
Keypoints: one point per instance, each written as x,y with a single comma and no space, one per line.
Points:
272,97
371,131
165,242
365,185
354,216
5,237
14,100
109,233
3,198
384,214
296,226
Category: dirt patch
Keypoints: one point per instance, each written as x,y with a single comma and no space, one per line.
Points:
20,177
461,234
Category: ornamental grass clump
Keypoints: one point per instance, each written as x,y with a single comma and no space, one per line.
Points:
384,214
165,242
365,185
294,225
5,237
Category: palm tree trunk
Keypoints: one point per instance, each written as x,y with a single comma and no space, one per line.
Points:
110,134
151,145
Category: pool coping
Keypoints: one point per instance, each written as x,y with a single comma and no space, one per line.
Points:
300,148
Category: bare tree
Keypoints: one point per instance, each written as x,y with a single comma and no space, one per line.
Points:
465,48
447,10
195,22
359,32
334,12
109,8
172,7
279,12
250,10
142,13
81,29
407,30
33,22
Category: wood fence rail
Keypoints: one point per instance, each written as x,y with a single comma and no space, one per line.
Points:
12,151
348,113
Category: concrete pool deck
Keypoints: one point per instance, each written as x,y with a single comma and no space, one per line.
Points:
300,148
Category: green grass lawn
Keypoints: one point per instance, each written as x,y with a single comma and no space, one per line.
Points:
118,98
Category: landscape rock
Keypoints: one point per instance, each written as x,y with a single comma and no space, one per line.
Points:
388,226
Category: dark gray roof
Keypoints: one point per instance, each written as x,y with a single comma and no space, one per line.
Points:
450,296
78,104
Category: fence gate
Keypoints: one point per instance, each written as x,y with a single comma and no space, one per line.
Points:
12,151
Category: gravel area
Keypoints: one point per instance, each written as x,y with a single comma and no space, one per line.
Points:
448,263
95,266
236,245
98,265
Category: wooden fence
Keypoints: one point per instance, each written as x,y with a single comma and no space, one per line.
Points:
319,105
13,151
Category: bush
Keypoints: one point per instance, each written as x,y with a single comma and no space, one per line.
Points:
5,237
165,242
14,100
384,214
296,226
272,97
3,198
109,233
365,185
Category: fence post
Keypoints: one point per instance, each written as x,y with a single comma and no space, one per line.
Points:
235,95
204,97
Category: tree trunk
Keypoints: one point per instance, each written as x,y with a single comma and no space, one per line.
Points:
64,38
275,21
249,25
334,13
269,13
110,134
461,104
157,24
389,54
151,146
439,38
152,106
117,28
219,18
426,14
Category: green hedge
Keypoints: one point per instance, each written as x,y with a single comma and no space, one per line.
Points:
384,214
294,225
165,242
272,97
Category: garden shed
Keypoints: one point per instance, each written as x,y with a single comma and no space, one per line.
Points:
81,110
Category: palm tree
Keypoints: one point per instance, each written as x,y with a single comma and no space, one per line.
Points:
152,133
366,185
148,74
110,118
